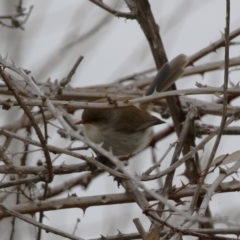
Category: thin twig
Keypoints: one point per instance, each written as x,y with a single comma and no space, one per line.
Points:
4,157
70,153
110,199
225,98
140,228
212,47
167,188
15,23
67,79
188,155
157,165
37,224
34,124
225,88
112,11
182,138
204,129
30,180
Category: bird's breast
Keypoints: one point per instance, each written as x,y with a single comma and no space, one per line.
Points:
121,144
93,133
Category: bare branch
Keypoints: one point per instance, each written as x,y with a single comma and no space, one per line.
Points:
212,47
112,11
67,79
37,224
35,126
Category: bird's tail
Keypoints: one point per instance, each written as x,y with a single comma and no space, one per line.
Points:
168,74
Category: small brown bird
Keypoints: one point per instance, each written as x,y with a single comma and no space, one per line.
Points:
125,131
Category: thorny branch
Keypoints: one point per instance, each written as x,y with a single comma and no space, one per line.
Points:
35,223
59,105
35,126
15,18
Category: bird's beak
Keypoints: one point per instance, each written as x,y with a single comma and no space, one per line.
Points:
79,122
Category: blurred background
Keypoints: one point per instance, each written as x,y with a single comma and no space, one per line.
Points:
57,33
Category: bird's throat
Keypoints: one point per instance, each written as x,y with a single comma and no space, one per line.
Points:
93,133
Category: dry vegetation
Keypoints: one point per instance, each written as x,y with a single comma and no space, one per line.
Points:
48,107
